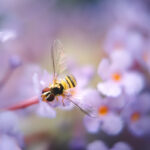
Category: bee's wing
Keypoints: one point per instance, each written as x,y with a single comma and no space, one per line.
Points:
87,109
58,58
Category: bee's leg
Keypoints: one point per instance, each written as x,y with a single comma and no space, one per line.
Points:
63,101
55,79
44,98
56,98
63,97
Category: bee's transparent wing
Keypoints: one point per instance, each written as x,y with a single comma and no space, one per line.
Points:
58,58
87,109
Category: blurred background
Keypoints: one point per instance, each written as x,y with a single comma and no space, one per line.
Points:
27,31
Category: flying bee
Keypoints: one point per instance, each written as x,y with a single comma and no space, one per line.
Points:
62,86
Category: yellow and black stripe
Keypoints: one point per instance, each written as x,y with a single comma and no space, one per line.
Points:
69,82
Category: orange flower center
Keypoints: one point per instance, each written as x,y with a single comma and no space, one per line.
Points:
103,110
116,77
135,116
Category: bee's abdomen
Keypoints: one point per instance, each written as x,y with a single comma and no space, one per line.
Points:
69,82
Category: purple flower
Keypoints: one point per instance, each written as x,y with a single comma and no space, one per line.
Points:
42,80
106,117
116,76
136,115
100,145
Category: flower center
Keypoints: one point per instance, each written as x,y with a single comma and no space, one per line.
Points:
103,110
135,116
116,77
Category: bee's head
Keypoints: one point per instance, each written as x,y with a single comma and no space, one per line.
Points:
47,94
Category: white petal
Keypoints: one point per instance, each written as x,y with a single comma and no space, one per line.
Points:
44,110
109,89
133,83
92,124
112,124
121,59
97,145
91,96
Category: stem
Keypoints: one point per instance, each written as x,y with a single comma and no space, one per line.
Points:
23,104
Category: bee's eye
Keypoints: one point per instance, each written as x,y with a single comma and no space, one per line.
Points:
45,90
50,97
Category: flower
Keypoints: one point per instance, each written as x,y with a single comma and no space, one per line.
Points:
100,145
116,76
106,117
136,115
72,96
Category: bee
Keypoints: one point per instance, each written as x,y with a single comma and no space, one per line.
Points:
60,87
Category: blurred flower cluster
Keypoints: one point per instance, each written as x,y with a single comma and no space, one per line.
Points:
113,85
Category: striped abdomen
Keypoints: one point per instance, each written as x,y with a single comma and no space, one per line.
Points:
69,82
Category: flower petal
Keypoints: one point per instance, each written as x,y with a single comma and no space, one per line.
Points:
121,146
112,124
133,83
109,89
97,145
92,124
121,59
44,110
141,127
